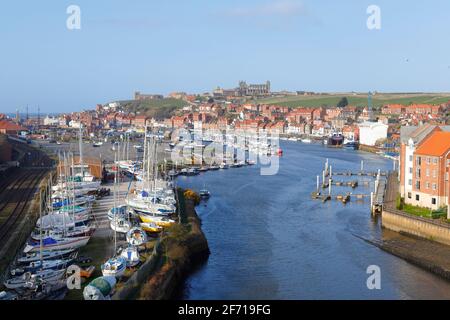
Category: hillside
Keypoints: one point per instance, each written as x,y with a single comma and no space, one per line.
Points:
158,109
378,100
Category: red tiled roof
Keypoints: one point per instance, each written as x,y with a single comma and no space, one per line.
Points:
8,125
435,145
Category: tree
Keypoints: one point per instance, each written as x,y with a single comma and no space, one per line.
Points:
342,103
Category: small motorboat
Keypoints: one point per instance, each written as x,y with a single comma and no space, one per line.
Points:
136,237
204,193
214,167
131,255
203,169
151,227
114,267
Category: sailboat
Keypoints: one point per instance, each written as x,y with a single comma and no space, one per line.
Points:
116,265
49,276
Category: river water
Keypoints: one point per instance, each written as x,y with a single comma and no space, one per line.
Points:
270,240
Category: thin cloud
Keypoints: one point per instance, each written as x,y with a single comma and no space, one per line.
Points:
270,9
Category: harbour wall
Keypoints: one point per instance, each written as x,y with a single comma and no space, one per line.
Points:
173,257
425,228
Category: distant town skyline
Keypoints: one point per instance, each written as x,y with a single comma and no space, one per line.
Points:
194,47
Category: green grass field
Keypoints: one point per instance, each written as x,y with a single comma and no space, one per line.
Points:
158,109
355,100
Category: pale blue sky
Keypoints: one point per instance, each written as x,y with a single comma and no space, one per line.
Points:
194,46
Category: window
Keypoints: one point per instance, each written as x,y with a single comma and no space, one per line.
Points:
427,185
411,158
417,197
410,182
418,161
418,185
435,160
434,173
434,186
427,172
428,160
418,173
433,200
410,170
409,195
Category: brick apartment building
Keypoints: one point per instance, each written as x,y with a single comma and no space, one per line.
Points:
430,171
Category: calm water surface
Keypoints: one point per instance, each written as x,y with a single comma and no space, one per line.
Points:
270,240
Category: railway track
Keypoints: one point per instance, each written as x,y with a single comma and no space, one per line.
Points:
21,204
11,187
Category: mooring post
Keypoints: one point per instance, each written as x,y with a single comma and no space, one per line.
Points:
371,202
329,187
318,178
362,165
331,172
323,177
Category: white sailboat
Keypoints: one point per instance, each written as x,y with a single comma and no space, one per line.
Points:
116,265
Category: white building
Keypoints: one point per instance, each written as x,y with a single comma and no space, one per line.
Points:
371,132
75,124
51,121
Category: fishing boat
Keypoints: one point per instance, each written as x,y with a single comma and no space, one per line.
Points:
48,255
22,281
120,225
114,267
151,227
336,139
136,236
131,255
56,244
100,288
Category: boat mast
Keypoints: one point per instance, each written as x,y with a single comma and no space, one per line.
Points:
40,229
115,204
81,150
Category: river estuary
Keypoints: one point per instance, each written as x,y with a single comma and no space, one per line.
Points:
270,240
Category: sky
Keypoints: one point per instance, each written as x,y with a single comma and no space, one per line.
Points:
195,46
